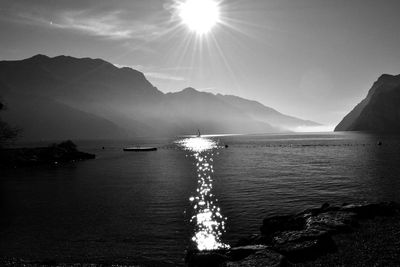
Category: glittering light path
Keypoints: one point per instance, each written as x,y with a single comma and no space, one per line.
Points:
210,224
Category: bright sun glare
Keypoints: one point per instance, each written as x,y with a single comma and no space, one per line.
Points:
199,15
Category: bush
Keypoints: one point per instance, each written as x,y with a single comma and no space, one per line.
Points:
7,132
67,146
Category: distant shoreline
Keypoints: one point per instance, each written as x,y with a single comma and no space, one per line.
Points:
64,152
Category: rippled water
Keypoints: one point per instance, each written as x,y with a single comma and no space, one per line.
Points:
149,207
209,224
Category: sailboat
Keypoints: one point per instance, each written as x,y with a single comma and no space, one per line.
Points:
198,133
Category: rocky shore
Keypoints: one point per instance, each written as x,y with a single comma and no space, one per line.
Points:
54,154
349,235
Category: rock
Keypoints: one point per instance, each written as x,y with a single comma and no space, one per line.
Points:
303,244
238,253
332,221
299,237
254,239
315,211
372,210
276,224
325,206
261,258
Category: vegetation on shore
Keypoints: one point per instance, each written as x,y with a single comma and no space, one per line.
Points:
54,154
7,132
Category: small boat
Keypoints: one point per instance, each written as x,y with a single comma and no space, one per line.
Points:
140,148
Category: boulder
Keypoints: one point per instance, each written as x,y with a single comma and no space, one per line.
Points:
332,221
254,239
238,253
302,245
276,224
372,210
315,211
261,258
297,238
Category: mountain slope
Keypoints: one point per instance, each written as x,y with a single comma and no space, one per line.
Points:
206,111
379,111
92,86
261,113
44,119
121,101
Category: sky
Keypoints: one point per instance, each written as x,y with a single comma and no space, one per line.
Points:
313,59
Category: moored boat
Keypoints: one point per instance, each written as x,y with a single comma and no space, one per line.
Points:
140,148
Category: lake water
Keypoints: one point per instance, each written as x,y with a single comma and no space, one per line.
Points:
148,207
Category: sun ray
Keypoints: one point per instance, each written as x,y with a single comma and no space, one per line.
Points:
226,63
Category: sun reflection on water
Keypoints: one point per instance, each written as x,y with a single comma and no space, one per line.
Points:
210,224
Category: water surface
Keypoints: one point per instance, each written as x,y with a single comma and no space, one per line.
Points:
139,207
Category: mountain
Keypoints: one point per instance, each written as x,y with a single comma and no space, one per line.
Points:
74,89
379,111
259,112
200,110
46,119
84,98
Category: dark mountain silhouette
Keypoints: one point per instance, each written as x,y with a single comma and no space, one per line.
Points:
379,111
46,119
66,97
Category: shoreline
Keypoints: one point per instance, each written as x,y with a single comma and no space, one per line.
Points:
52,155
347,235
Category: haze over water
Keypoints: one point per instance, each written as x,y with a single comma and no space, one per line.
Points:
147,205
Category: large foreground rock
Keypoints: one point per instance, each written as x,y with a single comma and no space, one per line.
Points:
294,238
373,209
332,221
272,225
261,258
305,244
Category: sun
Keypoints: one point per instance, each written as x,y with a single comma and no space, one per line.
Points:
200,16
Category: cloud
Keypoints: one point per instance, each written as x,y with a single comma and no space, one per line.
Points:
157,72
164,76
109,25
207,89
104,26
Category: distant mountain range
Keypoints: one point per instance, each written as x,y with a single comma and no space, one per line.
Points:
379,111
66,97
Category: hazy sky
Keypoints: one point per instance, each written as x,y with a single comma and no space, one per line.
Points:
313,59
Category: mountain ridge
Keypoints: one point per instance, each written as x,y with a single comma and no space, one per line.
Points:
378,111
125,98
